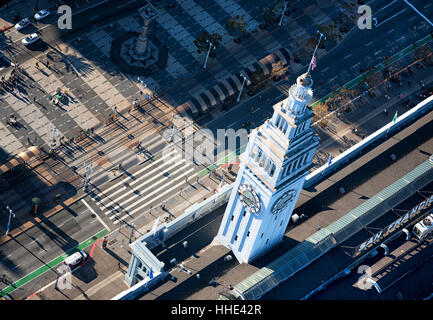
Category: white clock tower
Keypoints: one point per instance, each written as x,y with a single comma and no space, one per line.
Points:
273,167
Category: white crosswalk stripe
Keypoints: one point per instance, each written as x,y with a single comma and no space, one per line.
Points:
161,195
146,187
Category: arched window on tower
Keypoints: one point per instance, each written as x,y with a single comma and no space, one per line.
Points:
253,152
272,171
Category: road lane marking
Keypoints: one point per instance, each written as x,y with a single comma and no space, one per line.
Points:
412,18
157,197
348,56
152,193
369,43
419,13
160,176
151,173
356,65
391,17
385,7
325,69
392,30
138,172
97,216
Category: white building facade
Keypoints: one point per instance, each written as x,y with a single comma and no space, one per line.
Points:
273,168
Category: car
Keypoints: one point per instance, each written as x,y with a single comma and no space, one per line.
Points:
42,14
75,259
30,39
22,24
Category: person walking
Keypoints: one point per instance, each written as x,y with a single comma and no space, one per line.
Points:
37,65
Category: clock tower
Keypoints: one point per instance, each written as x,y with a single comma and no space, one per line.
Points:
273,168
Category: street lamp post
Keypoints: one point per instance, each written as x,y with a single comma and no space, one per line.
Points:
11,215
208,52
144,87
174,126
282,13
53,138
242,86
89,170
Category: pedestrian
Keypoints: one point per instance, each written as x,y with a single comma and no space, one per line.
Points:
186,179
118,266
115,109
48,63
37,65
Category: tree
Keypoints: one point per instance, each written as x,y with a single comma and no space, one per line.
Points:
374,79
320,110
202,44
236,26
331,32
259,81
424,53
340,98
269,15
278,70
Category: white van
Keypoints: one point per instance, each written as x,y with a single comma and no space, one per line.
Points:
75,259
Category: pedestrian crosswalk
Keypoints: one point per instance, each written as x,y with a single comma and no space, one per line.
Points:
145,188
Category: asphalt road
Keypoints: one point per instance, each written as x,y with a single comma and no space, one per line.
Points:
46,241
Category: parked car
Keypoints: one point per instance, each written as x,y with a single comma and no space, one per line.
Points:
42,14
22,24
74,260
31,38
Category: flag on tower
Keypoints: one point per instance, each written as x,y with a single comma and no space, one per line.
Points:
395,117
329,160
151,274
313,62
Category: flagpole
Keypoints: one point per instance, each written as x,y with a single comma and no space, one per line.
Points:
315,49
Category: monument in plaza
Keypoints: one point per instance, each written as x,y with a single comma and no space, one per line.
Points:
140,53
272,172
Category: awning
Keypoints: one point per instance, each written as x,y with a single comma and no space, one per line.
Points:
19,158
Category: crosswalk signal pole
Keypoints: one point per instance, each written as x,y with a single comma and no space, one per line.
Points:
11,215
86,177
53,138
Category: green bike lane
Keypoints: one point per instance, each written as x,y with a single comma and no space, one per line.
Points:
349,85
52,264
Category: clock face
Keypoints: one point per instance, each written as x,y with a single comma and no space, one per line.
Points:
249,198
283,201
